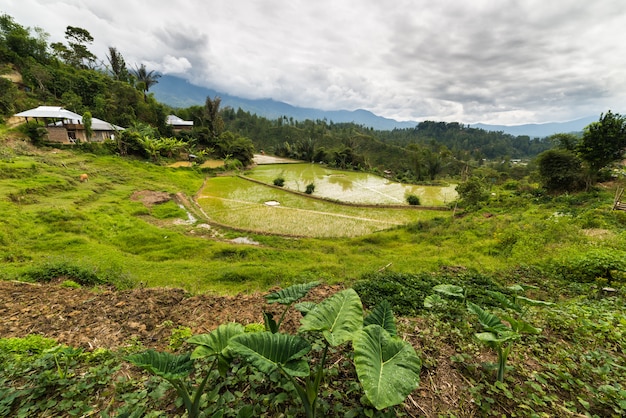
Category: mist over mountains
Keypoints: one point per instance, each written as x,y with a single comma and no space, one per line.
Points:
177,92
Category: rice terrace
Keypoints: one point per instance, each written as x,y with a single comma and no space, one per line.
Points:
351,203
158,260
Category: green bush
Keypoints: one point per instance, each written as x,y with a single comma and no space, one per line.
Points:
310,188
605,264
35,131
62,269
279,181
406,292
413,200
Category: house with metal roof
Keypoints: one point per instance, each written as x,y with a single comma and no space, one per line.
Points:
67,127
178,124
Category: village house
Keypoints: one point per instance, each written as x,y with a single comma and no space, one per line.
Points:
178,124
67,127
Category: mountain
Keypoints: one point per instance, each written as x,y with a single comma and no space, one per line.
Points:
177,92
540,130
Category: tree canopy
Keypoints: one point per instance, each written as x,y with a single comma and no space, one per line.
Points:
603,142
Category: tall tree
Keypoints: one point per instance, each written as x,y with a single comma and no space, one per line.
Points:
560,170
145,79
603,142
212,118
87,123
76,52
117,65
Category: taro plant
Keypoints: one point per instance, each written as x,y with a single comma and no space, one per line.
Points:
176,368
500,333
287,297
387,367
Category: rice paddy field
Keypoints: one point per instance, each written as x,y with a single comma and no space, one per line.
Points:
351,186
237,202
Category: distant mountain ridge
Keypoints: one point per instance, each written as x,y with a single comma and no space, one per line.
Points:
177,92
540,130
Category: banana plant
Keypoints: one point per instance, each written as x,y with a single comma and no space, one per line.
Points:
176,368
287,296
387,367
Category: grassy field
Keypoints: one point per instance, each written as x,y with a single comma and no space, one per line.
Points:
48,216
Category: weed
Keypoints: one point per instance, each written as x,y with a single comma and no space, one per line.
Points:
71,284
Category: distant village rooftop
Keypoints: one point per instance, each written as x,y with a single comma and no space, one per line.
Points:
177,123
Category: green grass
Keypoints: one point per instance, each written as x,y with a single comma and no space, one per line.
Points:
48,216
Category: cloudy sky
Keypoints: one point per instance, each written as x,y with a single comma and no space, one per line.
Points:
491,61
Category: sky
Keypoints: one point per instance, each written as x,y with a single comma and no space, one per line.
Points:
501,62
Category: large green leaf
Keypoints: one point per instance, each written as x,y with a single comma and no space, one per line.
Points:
521,326
387,367
215,342
493,339
290,294
504,301
339,317
166,365
488,320
305,307
268,352
382,315
434,301
534,302
450,290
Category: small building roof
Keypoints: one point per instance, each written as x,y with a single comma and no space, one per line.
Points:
102,125
55,112
176,121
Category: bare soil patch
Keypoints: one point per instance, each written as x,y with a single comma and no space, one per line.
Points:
110,319
149,197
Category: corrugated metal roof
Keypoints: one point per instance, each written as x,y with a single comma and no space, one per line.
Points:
55,112
175,120
101,125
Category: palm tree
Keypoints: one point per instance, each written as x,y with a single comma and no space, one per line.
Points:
145,79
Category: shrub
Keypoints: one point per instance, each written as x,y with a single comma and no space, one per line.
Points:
602,263
310,188
279,181
71,284
35,131
62,269
413,200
